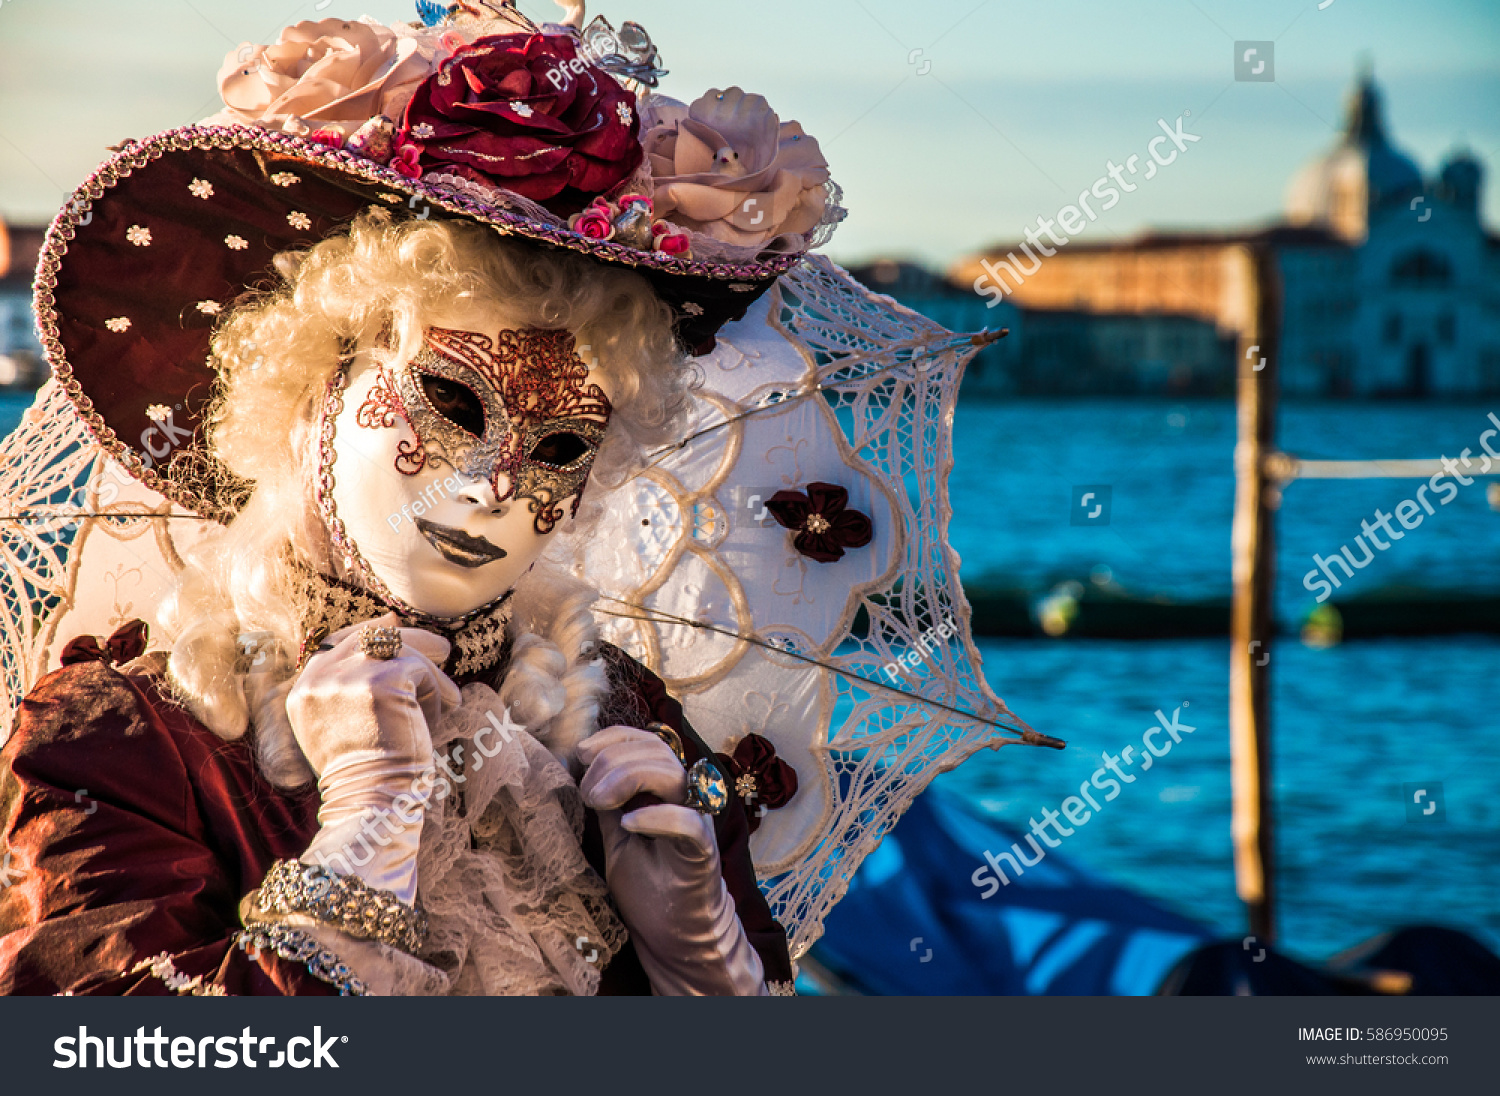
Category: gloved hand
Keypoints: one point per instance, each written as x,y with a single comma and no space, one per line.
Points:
662,866
363,725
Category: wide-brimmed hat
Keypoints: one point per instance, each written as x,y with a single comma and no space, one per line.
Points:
549,135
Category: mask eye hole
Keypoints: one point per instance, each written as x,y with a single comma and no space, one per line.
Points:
455,402
560,449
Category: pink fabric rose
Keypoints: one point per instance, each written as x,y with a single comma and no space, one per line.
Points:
405,162
331,74
592,223
727,167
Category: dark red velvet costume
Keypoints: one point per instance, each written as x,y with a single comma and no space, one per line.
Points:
135,831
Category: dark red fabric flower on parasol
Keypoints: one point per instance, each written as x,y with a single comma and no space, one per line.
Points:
824,524
760,778
525,112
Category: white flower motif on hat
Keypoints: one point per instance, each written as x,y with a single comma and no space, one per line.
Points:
118,324
210,308
423,130
138,235
158,412
201,188
299,220
693,308
236,243
522,109
392,199
285,178
623,110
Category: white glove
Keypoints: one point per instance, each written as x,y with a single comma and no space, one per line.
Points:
662,866
363,725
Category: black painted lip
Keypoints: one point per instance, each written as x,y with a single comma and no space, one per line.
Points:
459,547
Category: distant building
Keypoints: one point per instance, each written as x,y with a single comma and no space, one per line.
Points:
1057,349
1391,283
1083,353
21,363
1409,302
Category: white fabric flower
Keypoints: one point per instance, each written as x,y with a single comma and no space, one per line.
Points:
727,167
138,235
201,188
331,74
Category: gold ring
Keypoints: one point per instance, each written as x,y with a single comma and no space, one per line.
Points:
670,737
380,641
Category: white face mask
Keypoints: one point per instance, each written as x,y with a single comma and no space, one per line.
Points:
451,470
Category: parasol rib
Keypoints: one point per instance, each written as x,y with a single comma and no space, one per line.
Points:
926,350
1027,736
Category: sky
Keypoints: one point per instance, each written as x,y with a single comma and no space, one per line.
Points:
950,124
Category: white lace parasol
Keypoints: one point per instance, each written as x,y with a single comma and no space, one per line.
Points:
861,672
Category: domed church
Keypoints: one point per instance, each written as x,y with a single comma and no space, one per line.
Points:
1390,283
1404,299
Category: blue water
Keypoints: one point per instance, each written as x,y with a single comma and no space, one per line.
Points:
1351,724
1170,468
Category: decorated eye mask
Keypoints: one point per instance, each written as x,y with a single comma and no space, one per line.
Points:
518,406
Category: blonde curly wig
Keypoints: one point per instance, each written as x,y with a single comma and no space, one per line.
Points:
275,354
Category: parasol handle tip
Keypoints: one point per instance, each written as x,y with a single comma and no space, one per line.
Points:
985,337
1035,738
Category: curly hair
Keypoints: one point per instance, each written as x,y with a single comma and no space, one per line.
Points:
275,353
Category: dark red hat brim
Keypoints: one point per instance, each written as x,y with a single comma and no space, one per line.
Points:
139,267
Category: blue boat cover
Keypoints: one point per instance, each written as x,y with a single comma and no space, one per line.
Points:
914,922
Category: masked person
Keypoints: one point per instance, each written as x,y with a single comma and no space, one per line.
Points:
394,319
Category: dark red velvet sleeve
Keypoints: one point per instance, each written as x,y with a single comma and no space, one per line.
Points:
130,834
638,688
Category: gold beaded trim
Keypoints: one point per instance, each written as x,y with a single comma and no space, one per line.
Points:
161,966
479,640
345,902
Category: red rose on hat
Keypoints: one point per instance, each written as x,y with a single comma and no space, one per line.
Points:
525,112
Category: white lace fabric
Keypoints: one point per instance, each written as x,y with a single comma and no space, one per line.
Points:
513,905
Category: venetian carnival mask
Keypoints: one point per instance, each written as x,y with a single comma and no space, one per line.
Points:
442,476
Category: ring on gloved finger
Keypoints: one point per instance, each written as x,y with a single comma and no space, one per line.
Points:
380,641
670,737
706,791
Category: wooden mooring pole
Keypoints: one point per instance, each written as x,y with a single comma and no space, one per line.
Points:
1254,546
